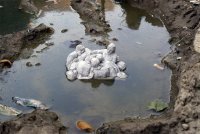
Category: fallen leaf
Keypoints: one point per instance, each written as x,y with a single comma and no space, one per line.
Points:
84,126
6,61
157,105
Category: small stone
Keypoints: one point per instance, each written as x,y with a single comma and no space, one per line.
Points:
49,44
179,58
115,39
51,24
64,30
37,64
195,116
28,64
92,40
119,28
185,126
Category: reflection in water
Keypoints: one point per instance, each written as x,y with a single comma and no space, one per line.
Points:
134,16
97,83
62,5
108,4
12,19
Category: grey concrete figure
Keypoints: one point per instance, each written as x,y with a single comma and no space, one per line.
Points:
84,63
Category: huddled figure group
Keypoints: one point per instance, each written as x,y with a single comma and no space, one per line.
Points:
84,63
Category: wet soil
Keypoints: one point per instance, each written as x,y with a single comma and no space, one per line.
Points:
37,122
93,17
182,21
11,45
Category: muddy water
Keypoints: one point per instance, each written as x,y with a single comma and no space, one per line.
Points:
142,41
12,19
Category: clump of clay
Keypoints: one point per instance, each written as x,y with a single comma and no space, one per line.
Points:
84,63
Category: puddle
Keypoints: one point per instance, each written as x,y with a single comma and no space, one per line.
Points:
142,39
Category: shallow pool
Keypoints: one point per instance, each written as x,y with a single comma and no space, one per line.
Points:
142,41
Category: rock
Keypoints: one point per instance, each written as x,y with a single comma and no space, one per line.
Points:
49,44
92,15
14,44
185,126
29,64
114,39
37,122
28,6
38,64
64,30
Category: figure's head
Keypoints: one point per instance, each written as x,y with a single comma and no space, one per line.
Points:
80,49
111,48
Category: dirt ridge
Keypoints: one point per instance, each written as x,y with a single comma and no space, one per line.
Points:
181,19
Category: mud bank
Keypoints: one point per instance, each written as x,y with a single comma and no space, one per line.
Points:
37,122
182,21
11,45
93,16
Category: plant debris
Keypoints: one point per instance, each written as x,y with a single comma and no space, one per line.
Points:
9,111
157,105
6,62
158,66
84,126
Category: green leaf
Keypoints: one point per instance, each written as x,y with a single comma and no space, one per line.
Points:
157,105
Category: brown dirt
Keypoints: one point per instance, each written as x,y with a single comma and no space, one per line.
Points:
37,122
93,16
11,45
183,117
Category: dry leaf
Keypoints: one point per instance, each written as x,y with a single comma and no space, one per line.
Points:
158,66
84,126
5,61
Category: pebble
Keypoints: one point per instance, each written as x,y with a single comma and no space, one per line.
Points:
29,64
64,30
185,126
37,64
115,39
49,43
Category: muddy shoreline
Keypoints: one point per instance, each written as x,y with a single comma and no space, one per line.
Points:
182,21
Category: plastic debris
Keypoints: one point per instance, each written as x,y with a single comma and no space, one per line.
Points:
84,126
158,66
196,2
39,13
54,1
29,103
179,58
84,63
5,61
1,6
139,43
9,111
157,105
